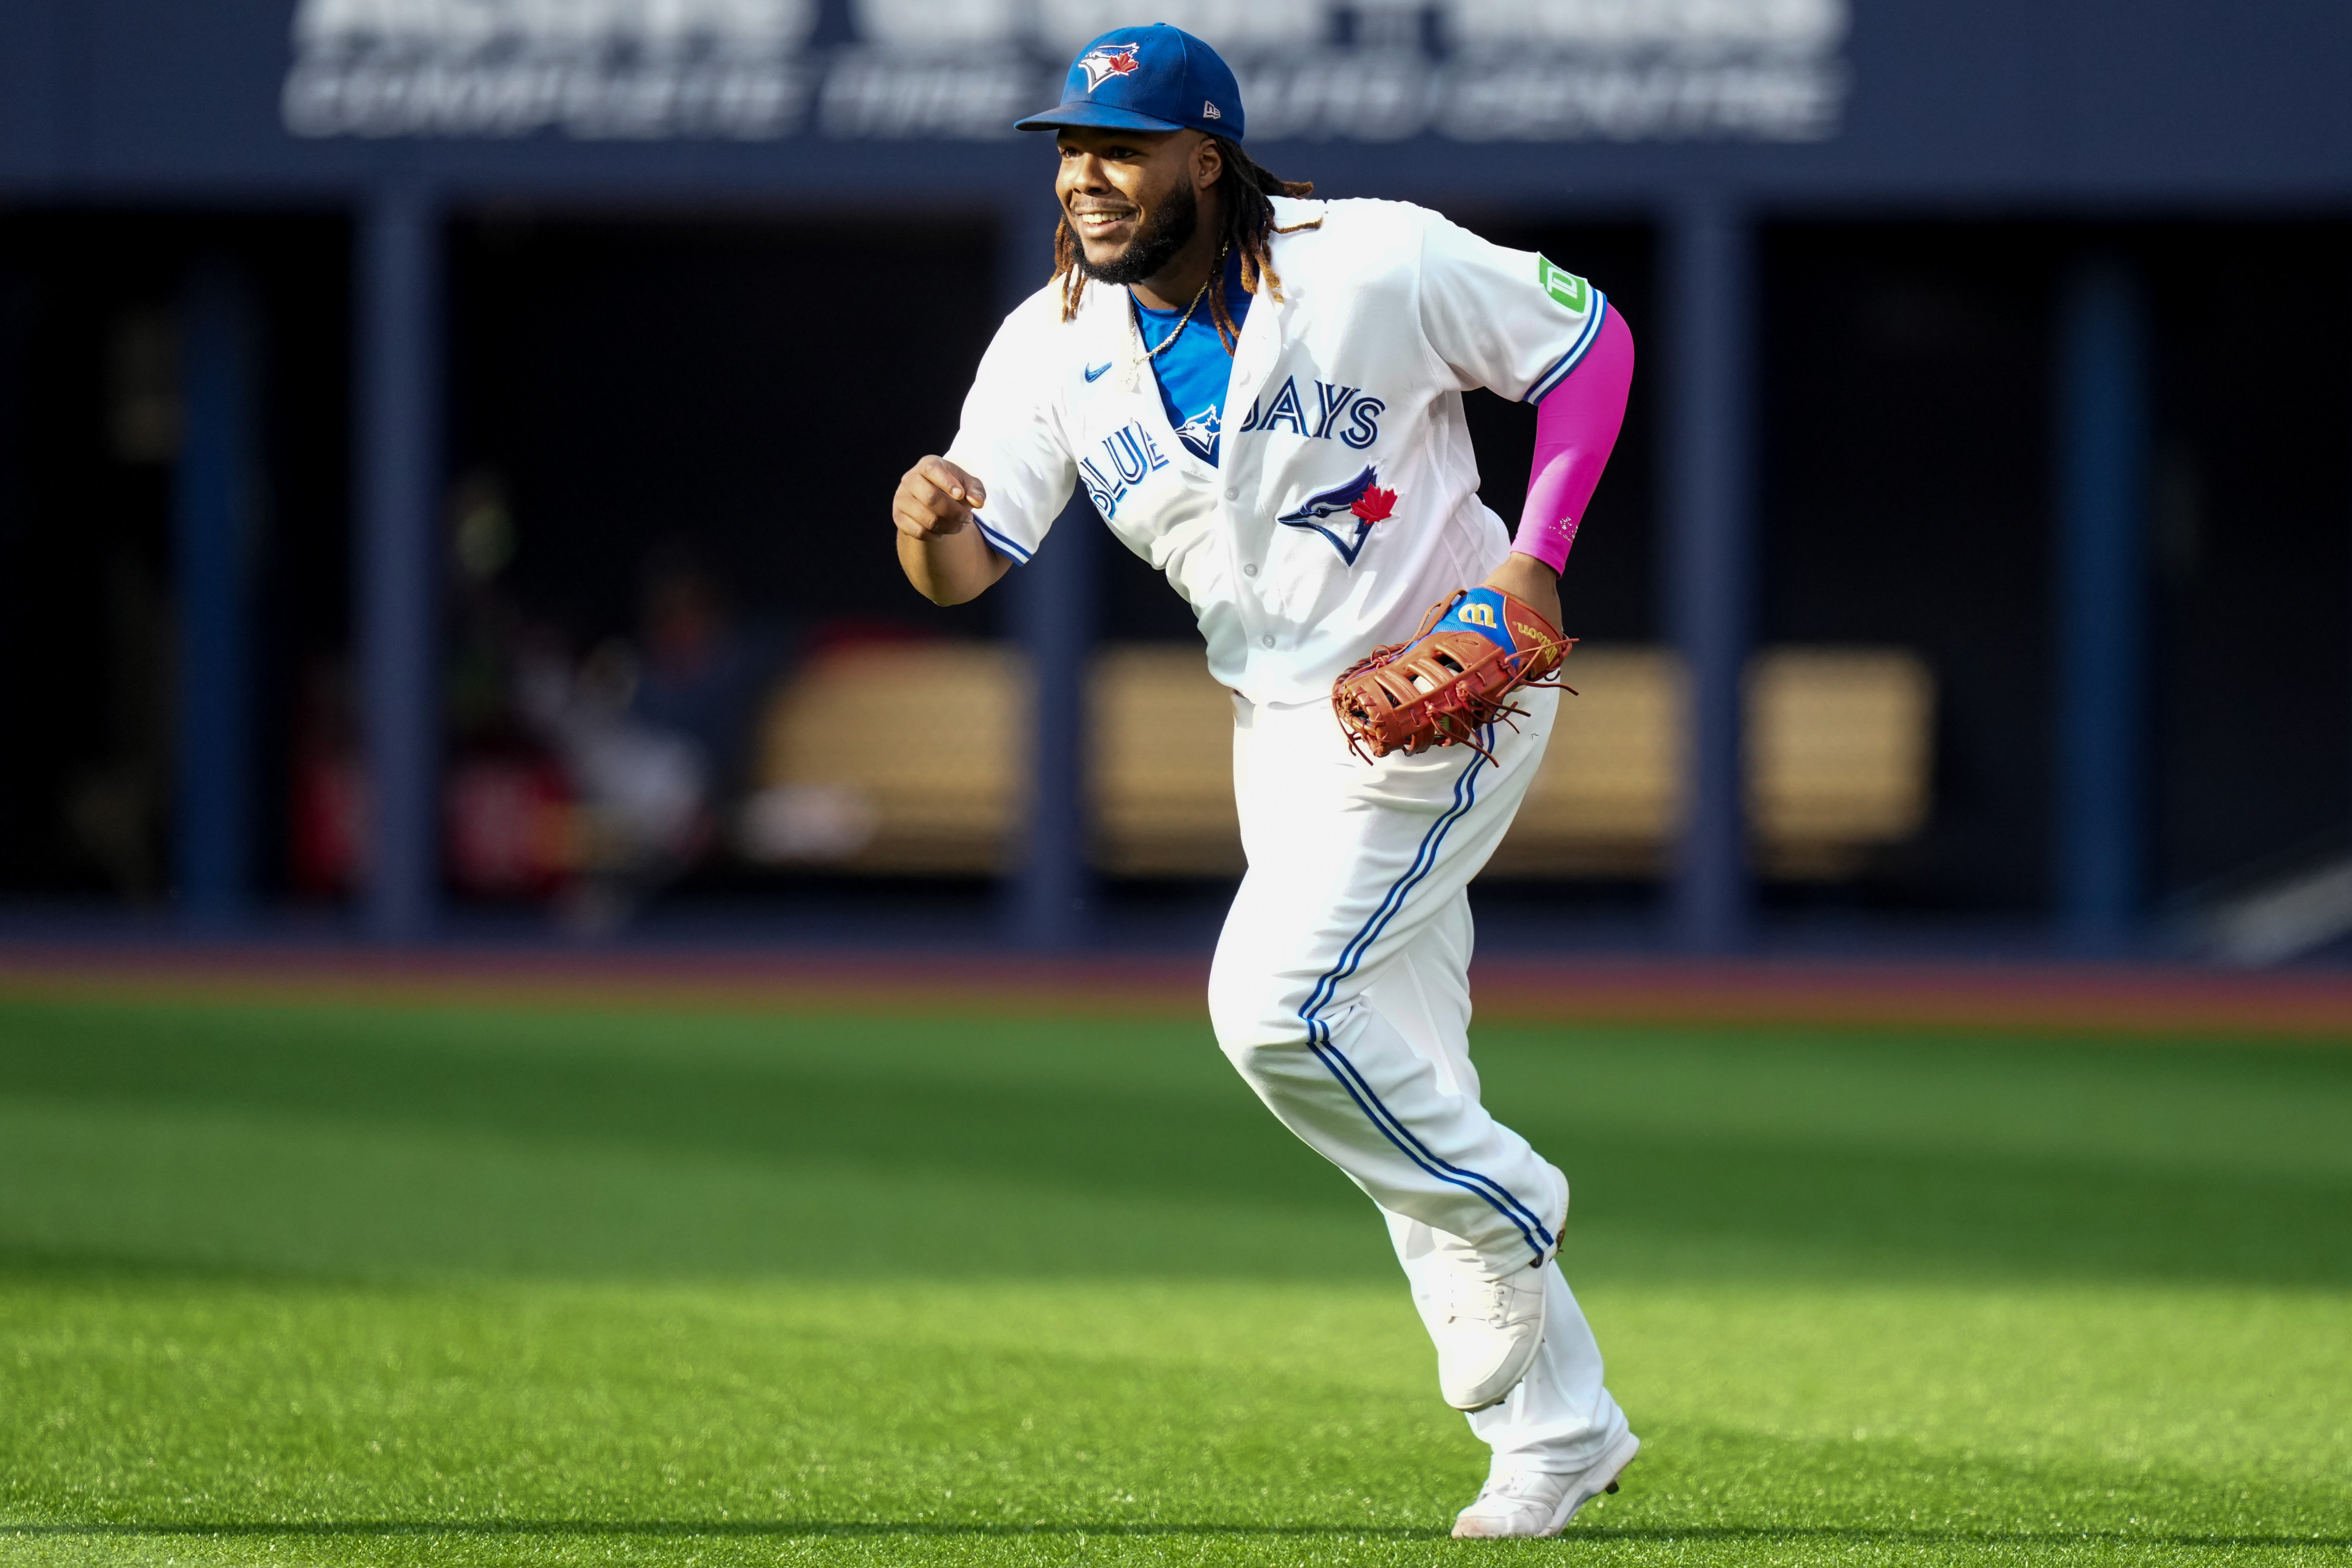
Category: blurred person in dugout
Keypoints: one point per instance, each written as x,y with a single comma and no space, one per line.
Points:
594,780
652,735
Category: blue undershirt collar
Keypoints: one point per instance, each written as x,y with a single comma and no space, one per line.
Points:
1193,371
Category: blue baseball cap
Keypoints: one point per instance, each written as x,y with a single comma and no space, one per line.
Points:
1147,79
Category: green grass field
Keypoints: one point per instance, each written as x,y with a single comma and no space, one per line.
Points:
298,1284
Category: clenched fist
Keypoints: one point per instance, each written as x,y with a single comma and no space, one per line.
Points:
948,561
936,498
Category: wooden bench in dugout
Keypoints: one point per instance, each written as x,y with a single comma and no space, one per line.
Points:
922,745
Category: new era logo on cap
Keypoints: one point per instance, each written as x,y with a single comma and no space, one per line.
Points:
1209,110
1106,61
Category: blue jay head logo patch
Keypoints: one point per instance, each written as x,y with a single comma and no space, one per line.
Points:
1108,60
1200,434
1344,514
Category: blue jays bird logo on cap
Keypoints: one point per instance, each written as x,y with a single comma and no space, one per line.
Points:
1108,60
1361,501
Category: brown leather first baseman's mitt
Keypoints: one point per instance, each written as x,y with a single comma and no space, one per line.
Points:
1453,680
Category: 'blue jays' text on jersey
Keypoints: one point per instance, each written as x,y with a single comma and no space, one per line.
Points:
1343,497
1194,371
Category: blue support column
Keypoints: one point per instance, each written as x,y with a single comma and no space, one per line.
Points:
2102,460
18,301
1055,611
1709,555
399,466
1054,616
213,526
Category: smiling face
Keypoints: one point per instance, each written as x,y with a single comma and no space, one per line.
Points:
1134,197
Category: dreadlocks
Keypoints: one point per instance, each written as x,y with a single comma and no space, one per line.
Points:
1244,197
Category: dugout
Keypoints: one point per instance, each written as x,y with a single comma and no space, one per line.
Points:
2013,342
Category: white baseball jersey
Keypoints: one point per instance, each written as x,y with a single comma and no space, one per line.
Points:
1343,504
1344,498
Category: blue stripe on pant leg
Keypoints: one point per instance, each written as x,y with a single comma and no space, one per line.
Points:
1318,1033
1424,858
1324,1054
1494,1191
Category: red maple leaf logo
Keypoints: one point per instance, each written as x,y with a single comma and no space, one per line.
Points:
1112,60
1375,504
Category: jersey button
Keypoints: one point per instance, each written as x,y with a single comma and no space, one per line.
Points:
1249,570
1233,495
1268,639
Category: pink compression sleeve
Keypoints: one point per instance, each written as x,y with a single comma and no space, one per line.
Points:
1576,426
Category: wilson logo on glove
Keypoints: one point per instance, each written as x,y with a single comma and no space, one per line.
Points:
1454,677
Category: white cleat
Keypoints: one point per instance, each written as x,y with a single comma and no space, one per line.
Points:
1528,1504
1487,1327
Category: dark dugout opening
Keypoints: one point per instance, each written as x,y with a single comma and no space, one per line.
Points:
647,408
750,387
1907,497
91,426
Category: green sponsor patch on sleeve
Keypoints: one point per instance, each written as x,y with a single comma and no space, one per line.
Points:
1563,285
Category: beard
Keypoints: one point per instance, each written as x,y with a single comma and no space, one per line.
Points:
1166,230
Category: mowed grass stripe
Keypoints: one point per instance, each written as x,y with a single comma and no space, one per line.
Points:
606,1417
347,1285
1764,1151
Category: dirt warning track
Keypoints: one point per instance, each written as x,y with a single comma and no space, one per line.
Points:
2138,1000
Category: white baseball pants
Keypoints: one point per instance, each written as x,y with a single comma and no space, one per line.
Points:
1341,992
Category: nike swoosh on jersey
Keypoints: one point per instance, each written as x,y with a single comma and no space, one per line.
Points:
1096,373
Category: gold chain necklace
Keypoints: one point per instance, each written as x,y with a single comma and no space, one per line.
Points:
1216,274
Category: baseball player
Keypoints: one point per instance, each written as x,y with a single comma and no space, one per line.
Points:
1262,394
